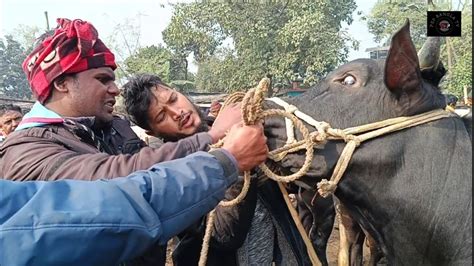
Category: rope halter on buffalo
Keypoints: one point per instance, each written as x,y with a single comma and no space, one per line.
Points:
252,112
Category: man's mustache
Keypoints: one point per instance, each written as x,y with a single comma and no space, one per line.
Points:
182,117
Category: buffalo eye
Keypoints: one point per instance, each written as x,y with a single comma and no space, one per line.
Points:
348,80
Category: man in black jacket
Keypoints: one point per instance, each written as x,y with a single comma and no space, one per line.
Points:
258,231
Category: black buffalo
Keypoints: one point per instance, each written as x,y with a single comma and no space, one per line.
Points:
410,190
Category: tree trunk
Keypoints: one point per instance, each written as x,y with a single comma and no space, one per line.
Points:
185,69
270,88
465,94
450,57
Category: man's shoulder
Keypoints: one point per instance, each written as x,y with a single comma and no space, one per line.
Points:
24,137
30,132
34,134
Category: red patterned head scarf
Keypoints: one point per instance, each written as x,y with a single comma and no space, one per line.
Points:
74,47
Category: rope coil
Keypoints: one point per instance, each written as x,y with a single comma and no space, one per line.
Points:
252,104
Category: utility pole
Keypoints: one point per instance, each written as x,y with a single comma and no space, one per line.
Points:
47,20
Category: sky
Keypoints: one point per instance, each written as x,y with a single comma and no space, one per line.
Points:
154,16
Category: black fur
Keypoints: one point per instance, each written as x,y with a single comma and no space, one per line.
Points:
411,190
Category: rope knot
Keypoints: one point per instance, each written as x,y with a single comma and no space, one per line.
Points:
335,132
326,188
321,135
291,109
277,157
353,138
318,137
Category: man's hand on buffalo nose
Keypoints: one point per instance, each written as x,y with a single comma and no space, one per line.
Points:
229,116
248,145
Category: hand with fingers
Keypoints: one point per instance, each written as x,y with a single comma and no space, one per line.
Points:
247,144
228,116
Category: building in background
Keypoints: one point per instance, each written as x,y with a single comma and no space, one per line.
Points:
25,105
378,52
204,99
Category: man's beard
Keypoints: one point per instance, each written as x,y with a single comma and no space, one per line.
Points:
203,127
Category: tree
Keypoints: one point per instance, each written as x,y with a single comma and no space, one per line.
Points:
151,59
26,36
13,82
13,50
386,17
132,58
220,72
162,62
460,73
124,41
274,38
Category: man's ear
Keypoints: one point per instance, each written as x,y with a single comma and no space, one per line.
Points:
62,84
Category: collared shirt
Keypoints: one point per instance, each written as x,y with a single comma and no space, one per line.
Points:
39,116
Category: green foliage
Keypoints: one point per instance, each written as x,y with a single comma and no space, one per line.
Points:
161,62
388,16
460,74
26,36
194,29
236,44
13,50
152,59
124,41
13,82
223,72
132,58
183,86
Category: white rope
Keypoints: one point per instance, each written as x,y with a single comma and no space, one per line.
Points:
325,132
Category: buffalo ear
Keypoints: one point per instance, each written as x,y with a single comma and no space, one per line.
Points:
402,69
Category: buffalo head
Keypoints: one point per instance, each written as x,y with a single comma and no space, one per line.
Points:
365,91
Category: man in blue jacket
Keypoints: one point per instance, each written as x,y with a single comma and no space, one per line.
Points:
72,131
52,223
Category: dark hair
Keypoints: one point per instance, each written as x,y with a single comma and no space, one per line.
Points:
137,94
9,107
451,99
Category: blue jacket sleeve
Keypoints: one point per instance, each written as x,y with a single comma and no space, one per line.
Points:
104,222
